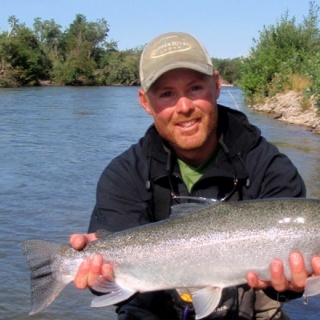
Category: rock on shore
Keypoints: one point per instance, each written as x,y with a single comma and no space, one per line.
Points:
288,107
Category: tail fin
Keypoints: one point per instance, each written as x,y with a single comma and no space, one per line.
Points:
45,285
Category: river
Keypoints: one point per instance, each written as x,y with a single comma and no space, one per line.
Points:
55,142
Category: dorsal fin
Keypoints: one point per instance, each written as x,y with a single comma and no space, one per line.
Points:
194,204
103,233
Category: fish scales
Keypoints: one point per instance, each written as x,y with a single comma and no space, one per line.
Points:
214,246
214,227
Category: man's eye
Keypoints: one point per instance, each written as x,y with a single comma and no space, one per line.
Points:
166,94
195,88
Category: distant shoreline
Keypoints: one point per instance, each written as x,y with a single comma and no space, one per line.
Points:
49,83
226,85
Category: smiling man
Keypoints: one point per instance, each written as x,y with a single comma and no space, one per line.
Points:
196,148
182,104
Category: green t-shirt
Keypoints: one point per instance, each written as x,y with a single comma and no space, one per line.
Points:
190,175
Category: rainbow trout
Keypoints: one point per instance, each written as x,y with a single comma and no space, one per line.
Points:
199,252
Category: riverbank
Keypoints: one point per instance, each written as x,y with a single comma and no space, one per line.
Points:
291,107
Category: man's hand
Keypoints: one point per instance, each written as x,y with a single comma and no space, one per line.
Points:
90,269
278,280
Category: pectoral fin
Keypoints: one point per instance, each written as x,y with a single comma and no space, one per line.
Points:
114,293
312,287
205,300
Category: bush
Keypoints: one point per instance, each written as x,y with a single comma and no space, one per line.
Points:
285,57
229,69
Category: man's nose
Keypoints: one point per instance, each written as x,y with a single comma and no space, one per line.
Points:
184,104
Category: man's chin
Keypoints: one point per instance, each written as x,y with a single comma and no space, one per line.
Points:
188,144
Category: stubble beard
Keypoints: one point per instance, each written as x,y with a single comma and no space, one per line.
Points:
191,142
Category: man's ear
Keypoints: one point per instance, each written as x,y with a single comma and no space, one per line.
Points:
144,101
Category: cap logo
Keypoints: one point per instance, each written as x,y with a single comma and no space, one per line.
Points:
168,46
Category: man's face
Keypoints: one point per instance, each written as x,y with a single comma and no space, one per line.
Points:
182,103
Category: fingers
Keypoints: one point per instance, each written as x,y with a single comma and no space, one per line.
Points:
298,272
254,281
89,271
81,279
278,279
107,272
277,276
95,269
79,241
315,262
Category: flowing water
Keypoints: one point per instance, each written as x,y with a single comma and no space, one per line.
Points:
54,144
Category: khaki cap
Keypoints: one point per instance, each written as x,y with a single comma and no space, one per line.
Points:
171,51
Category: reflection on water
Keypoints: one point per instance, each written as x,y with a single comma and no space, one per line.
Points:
54,143
291,145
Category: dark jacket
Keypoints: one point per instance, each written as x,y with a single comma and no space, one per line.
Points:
137,187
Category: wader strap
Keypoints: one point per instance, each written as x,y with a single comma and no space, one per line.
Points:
161,202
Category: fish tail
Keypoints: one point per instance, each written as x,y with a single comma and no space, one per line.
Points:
46,284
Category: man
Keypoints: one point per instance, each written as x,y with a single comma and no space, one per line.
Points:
195,148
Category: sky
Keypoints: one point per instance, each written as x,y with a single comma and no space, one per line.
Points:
226,27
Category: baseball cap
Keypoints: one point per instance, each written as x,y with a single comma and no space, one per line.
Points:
171,51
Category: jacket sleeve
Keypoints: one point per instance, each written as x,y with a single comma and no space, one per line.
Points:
272,174
122,199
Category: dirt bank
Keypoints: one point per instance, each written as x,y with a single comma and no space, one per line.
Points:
289,107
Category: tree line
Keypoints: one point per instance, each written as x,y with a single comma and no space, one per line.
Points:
78,55
285,57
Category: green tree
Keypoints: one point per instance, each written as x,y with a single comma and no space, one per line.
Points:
48,33
120,67
23,62
229,69
78,55
283,52
79,49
